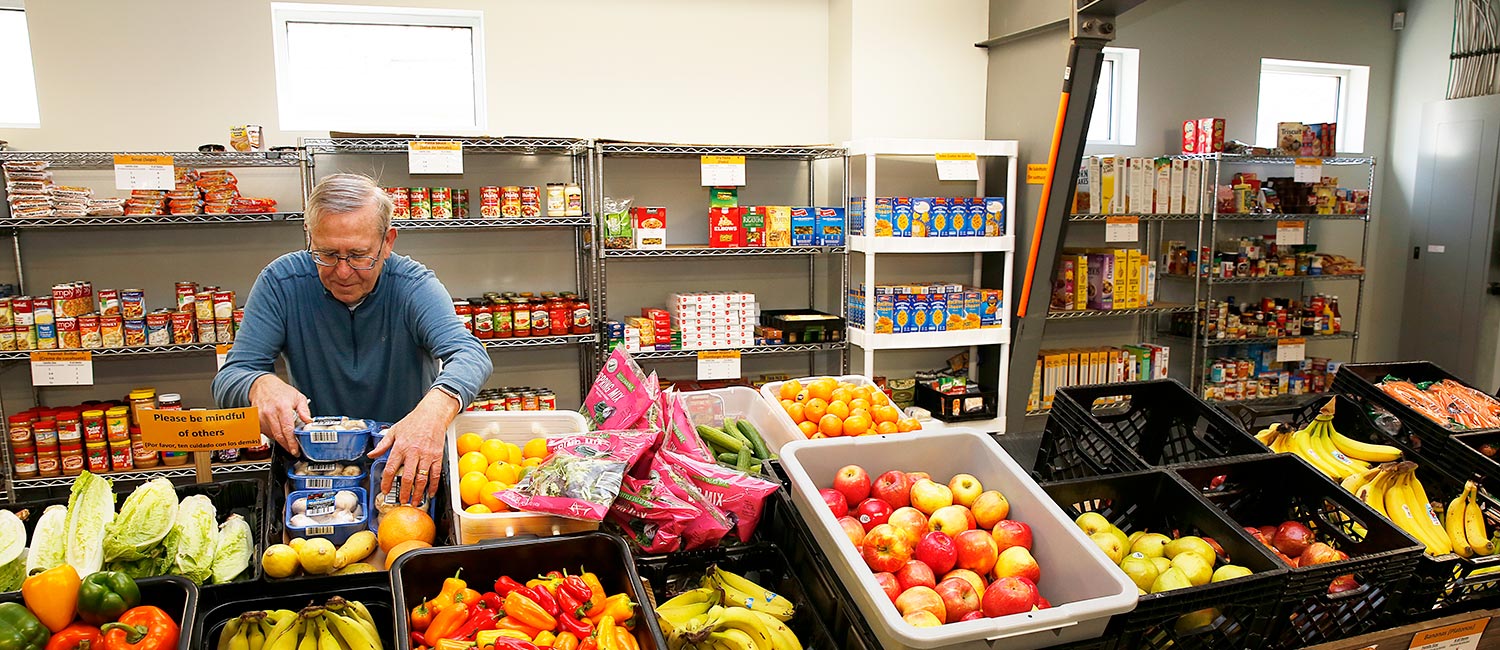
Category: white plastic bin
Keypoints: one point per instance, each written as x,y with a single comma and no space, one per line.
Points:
784,429
710,407
1084,587
517,427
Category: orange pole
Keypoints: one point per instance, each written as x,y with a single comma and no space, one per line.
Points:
1041,217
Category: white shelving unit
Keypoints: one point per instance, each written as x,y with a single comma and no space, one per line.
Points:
872,248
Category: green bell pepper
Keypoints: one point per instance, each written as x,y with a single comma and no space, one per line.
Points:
104,596
20,630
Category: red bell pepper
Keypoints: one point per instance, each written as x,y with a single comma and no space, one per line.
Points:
546,600
508,643
492,601
570,622
78,636
575,587
480,618
566,604
141,628
505,585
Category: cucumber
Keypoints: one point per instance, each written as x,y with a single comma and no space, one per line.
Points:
728,457
731,427
718,438
743,462
757,443
755,469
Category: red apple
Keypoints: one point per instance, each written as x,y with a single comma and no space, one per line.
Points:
835,501
1317,553
915,573
928,496
885,549
1043,603
950,519
911,521
938,551
892,487
1292,538
1009,532
1218,550
989,508
1009,595
972,578
917,476
1255,534
854,529
1268,532
959,597
966,489
853,482
1342,584
977,551
972,616
872,512
921,599
1017,562
922,618
888,584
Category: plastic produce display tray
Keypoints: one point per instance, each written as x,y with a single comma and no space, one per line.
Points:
217,607
344,445
175,595
1359,379
1269,490
711,406
336,533
782,430
1070,450
829,596
419,574
1157,501
1076,575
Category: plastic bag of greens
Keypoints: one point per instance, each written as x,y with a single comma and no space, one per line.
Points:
581,476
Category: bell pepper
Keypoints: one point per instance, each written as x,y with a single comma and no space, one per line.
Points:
421,617
575,588
20,630
451,588
544,639
52,596
567,605
548,582
454,644
141,628
565,641
491,600
504,585
446,623
527,612
510,643
468,595
547,600
104,596
588,644
78,636
596,604
570,622
619,608
511,624
625,640
480,618
604,633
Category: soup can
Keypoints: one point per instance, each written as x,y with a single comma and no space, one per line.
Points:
134,332
67,333
7,338
159,328
223,305
187,295
7,319
132,304
510,201
224,330
88,332
400,202
460,204
206,332
489,202
109,302
531,202
182,327
419,203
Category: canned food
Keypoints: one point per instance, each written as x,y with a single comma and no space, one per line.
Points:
159,328
223,305
134,331
510,201
26,338
67,333
187,295
573,195
531,202
557,202
97,454
7,338
546,400
239,319
224,330
460,204
109,302
441,199
512,401
21,311
132,304
119,457
529,401
400,202
88,332
419,202
112,331
489,202
206,332
203,305
182,327
7,319
68,300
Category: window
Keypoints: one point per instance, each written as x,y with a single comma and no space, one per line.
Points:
18,106
355,68
1312,93
1113,121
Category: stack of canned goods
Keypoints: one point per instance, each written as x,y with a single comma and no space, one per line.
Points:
73,317
510,398
520,315
495,202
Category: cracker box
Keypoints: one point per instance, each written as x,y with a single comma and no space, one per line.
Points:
885,308
978,214
973,307
753,226
937,310
901,307
1289,138
904,213
1063,286
650,227
830,226
804,227
724,228
885,217
1116,170
942,212
1210,135
778,226
989,307
855,208
1101,281
1162,195
1190,136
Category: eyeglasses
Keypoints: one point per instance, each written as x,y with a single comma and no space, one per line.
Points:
356,262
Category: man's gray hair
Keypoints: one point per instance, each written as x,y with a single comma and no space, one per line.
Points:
345,193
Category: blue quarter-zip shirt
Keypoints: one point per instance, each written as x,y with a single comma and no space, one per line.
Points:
374,361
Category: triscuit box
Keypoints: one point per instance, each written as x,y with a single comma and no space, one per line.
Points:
804,226
830,226
884,215
994,216
778,226
650,227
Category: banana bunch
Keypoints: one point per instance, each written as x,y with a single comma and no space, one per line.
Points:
1393,490
1322,446
728,612
1464,524
337,625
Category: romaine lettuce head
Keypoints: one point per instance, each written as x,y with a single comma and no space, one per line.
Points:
91,507
144,520
232,556
12,548
13,573
49,541
198,535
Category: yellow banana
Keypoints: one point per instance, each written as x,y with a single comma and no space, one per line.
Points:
281,623
256,638
740,591
226,635
745,620
1301,444
1402,510
1427,516
351,632
1357,481
1453,523
1363,450
782,637
309,638
291,637
1373,493
1474,524
241,638
732,639
1324,445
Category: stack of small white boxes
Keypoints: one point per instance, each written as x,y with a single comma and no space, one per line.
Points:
715,320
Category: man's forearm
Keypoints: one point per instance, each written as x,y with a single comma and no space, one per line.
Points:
439,403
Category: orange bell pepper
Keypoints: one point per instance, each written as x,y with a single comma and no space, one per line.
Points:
510,623
544,639
52,596
470,596
527,612
625,640
596,603
619,608
451,588
565,641
421,617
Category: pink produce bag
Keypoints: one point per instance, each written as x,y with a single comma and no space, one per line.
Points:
704,531
682,436
581,477
739,496
650,516
620,394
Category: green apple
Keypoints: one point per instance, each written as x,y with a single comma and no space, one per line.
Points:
1198,570
1123,538
1190,544
1140,569
1151,545
1229,572
1092,522
1172,578
1110,545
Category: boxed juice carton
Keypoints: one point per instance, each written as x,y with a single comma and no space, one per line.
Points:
804,227
778,226
650,227
994,216
989,307
885,308
753,226
830,226
1101,281
724,228
885,215
920,209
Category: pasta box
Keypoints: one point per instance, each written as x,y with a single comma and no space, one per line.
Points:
804,226
885,215
885,307
650,227
975,226
989,315
942,211
753,226
830,226
903,213
778,226
724,228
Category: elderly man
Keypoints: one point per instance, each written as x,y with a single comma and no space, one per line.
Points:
362,330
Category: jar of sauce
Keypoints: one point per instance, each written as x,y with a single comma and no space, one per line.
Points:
20,430
541,319
484,322
560,315
169,402
24,462
583,318
72,458
465,314
520,309
261,451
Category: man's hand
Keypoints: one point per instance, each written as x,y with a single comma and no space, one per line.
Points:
416,448
280,407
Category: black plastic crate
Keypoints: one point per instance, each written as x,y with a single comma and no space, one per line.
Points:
829,597
1360,379
1070,450
419,574
1155,423
1258,414
973,405
220,605
1269,490
175,595
1156,501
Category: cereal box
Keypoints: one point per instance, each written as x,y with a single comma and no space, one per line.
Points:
804,227
1162,195
1124,298
753,226
901,307
778,226
978,211
942,211
904,214
1174,190
989,307
724,228
1101,281
885,307
884,213
830,226
650,227
973,307
994,216
1080,281
1063,286
937,310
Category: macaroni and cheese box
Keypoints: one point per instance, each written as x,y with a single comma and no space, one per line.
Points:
753,226
804,227
884,215
973,307
778,226
942,213
650,227
921,216
904,215
978,212
885,307
994,216
830,224
989,310
921,307
855,208
901,307
937,310
724,228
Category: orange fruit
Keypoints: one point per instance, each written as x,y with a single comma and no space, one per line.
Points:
786,403
822,388
469,485
397,550
513,453
856,425
486,497
815,409
886,427
796,411
535,448
831,425
808,428
859,403
468,442
477,509
817,436
494,451
403,524
879,398
886,414
472,462
842,394
531,462
839,408
503,472
908,424
789,389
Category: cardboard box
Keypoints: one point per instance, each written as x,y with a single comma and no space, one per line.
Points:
885,308
1101,281
855,208
1142,184
724,228
1096,195
753,226
830,226
1132,279
1174,197
723,197
1150,282
994,216
1192,190
650,227
778,226
904,320
1111,185
1063,286
1080,281
884,215
921,217
1124,296
973,309
937,309
1289,138
989,310
804,227
900,215
942,214
1211,135
1190,136
1162,194
974,227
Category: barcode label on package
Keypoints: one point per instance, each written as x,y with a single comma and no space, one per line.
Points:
319,483
320,505
323,437
317,468
312,531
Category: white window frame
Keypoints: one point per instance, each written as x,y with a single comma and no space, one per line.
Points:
1125,99
20,5
285,12
1354,98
